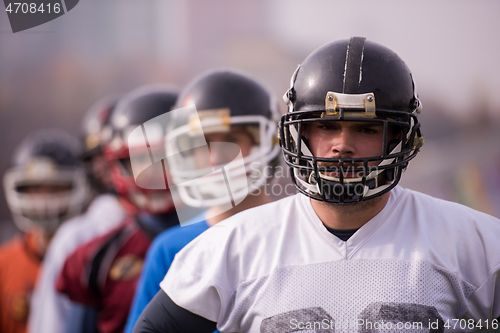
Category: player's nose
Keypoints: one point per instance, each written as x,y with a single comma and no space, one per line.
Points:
343,144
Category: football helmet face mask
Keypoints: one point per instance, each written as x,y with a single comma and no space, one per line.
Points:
47,183
225,101
356,81
132,111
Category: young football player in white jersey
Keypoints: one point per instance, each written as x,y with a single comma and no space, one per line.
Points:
352,252
232,108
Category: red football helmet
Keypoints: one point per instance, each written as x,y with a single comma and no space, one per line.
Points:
132,113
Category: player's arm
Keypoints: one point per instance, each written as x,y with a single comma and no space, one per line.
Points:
162,315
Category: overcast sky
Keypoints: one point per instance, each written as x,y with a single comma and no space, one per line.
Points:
452,46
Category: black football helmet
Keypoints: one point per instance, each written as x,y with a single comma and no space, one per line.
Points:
222,98
351,80
48,159
132,115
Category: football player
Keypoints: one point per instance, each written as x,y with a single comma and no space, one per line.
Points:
233,108
353,251
103,272
45,186
51,311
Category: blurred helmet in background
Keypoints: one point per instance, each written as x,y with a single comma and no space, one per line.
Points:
133,112
225,100
96,133
46,184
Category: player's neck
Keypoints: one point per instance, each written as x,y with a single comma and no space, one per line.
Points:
351,216
38,241
218,214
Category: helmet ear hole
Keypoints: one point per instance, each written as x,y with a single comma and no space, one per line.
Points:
389,173
392,144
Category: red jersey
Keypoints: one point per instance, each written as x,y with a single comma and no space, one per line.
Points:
19,265
104,273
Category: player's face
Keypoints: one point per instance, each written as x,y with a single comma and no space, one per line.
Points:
237,135
345,139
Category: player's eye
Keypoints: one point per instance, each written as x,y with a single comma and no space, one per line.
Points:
233,138
327,126
369,129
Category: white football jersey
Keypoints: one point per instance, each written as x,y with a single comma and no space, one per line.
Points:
49,308
420,265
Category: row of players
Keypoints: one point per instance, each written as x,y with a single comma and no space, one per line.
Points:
352,246
92,262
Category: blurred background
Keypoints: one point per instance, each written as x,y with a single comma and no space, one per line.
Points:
51,74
